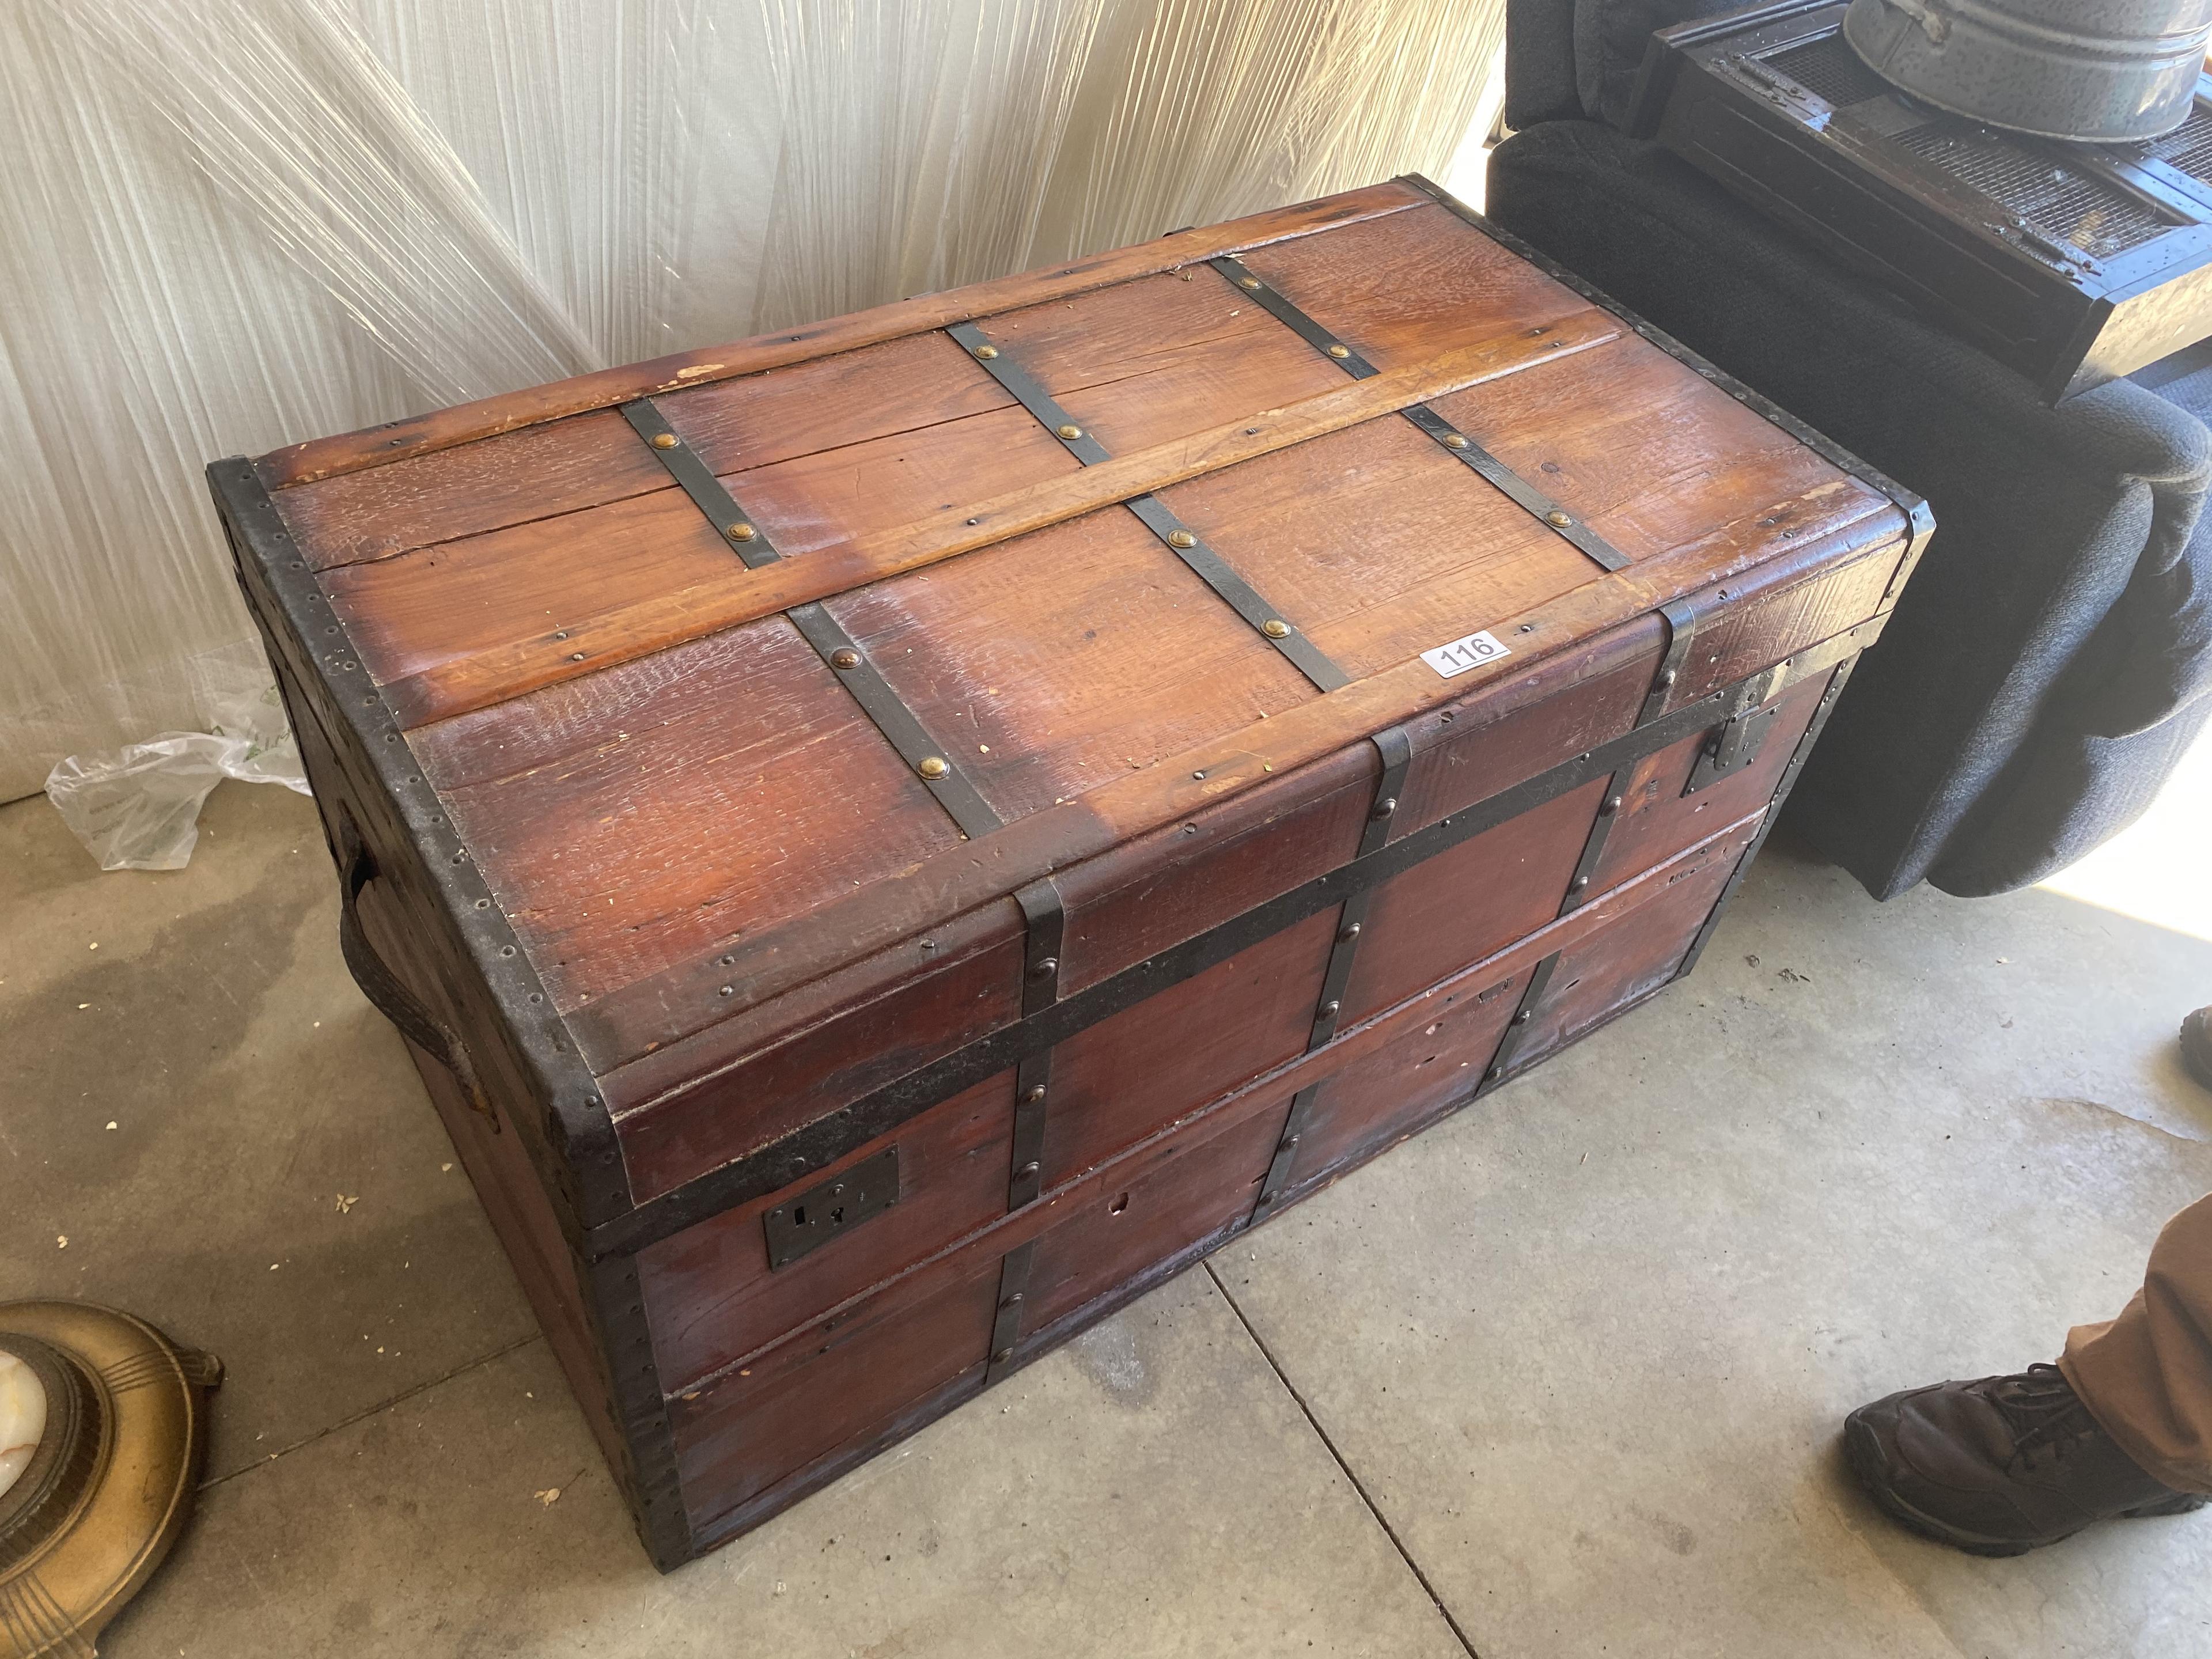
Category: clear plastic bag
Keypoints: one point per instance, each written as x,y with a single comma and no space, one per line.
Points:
139,807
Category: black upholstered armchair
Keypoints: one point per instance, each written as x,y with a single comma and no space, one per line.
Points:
2053,656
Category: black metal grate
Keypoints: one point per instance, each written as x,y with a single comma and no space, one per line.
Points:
1830,69
2070,206
2188,147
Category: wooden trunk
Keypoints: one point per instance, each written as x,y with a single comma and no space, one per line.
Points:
889,838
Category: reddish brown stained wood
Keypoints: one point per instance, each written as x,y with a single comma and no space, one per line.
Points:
1656,820
1162,357
539,472
845,1036
1263,1097
1156,892
1053,663
615,612
630,821
711,1296
1434,1063
1606,971
1095,1235
1180,1193
1468,901
1428,281
464,424
1591,698
1134,1072
1377,543
754,1426
1832,527
1639,451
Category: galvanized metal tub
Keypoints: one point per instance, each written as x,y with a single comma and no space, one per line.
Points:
2106,71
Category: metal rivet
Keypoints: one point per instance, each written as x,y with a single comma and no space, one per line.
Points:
507,949
1331,1006
664,441
1275,628
1578,883
727,962
576,656
1454,441
1521,1017
1002,1355
742,532
1349,931
1289,1144
847,659
1492,1075
483,904
1046,969
933,766
1012,1300
1387,805
1666,678
1034,1093
1612,805
1181,539
1339,351
1030,1168
1070,431
1558,520
727,990
1247,281
987,352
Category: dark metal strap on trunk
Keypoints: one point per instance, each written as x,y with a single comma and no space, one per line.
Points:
1516,1029
1516,489
1396,748
1681,629
697,480
1029,393
1179,538
1239,595
1041,909
1006,1323
1340,352
1608,814
936,768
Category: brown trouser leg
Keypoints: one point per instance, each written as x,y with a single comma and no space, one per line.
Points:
2147,1375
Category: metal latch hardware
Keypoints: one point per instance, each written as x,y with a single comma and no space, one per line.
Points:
1731,748
831,1207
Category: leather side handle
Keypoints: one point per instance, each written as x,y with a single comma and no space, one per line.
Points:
383,987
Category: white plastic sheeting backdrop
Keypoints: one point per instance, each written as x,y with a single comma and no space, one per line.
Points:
228,224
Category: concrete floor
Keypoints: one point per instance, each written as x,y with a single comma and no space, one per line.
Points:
1561,1377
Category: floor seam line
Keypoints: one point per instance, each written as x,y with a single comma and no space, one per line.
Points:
1358,1486
363,1415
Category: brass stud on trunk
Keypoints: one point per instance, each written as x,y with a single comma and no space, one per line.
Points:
932,767
1181,539
1247,281
1339,351
742,532
1070,431
1454,441
664,441
987,352
1275,629
1558,520
847,659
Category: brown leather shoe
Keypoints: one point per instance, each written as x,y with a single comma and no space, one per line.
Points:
2196,1045
1999,1466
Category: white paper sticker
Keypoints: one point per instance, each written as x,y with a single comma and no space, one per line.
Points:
1460,655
